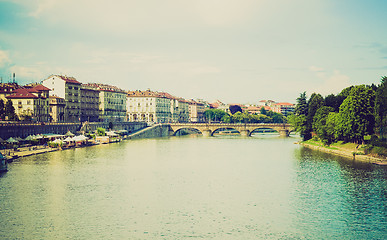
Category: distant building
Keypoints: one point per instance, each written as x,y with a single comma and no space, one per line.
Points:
31,103
89,104
57,109
220,105
284,107
148,106
269,103
112,102
179,108
196,111
69,89
253,109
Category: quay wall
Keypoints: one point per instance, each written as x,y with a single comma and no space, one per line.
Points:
156,131
8,130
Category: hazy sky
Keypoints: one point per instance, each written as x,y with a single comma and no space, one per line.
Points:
237,51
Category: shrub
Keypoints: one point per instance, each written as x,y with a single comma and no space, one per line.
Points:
380,151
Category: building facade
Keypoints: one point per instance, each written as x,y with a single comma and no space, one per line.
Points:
89,104
147,106
69,89
57,109
283,107
31,103
112,102
196,111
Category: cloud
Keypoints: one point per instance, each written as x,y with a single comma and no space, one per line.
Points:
27,72
328,84
120,16
316,69
4,59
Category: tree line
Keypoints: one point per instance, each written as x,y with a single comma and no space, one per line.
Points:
239,116
357,111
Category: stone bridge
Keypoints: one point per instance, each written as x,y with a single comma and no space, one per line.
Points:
208,129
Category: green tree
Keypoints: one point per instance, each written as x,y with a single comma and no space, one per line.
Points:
357,114
214,114
381,106
226,118
10,111
333,101
298,122
315,102
101,131
302,105
209,115
263,111
275,117
235,108
332,121
299,119
319,124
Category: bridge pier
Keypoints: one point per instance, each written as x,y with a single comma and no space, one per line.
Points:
245,133
284,133
206,133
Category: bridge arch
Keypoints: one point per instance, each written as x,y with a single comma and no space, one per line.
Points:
226,130
175,131
271,128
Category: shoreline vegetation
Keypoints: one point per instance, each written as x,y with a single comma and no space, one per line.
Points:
348,150
352,123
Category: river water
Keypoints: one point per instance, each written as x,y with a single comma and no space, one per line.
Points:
263,187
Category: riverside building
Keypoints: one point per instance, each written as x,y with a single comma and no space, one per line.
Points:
69,89
196,111
31,103
89,104
112,102
179,108
57,108
148,106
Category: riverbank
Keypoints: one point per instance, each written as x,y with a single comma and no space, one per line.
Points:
345,152
149,132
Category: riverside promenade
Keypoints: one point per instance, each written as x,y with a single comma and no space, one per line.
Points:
155,131
26,151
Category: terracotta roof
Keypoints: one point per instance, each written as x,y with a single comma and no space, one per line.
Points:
285,103
40,87
21,93
139,93
254,108
68,79
104,87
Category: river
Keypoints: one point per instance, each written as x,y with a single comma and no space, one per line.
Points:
262,187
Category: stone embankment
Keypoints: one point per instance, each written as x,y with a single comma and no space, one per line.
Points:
347,154
155,131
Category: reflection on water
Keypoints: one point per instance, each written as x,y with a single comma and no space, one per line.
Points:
225,187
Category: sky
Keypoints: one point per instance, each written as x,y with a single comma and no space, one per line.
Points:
237,51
